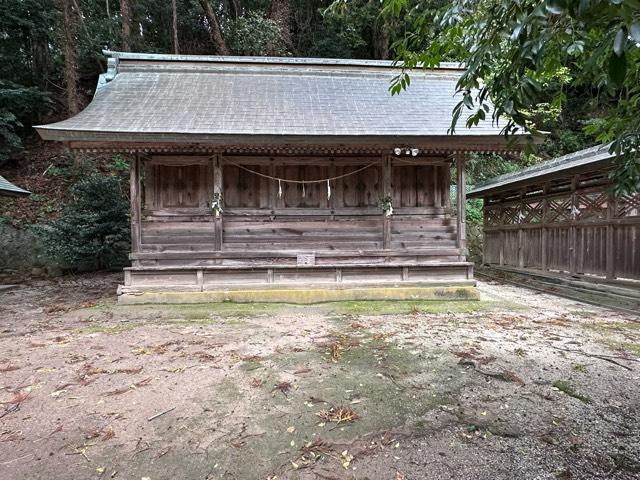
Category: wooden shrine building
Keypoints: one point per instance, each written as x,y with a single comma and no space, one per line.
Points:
284,179
559,216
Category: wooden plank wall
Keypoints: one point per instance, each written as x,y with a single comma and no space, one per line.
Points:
177,214
570,224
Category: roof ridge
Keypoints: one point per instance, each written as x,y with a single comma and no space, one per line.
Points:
302,61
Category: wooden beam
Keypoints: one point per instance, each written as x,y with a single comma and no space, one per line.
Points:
461,231
134,187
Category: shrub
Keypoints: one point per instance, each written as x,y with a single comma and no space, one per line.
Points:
253,34
93,232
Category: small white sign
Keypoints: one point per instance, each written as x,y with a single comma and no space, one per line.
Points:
306,259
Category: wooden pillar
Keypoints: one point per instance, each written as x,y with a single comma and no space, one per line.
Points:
217,189
544,259
461,230
386,188
573,234
134,186
611,237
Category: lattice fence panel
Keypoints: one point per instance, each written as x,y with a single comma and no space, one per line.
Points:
628,206
559,209
511,215
531,211
591,205
493,216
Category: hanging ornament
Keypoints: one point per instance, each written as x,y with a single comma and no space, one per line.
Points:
328,190
279,189
304,194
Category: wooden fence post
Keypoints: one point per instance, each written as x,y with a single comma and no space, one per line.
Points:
544,259
610,242
573,234
520,253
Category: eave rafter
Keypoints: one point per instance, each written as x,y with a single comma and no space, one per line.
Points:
297,149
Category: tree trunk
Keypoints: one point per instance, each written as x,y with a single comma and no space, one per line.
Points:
281,14
70,63
40,60
125,16
174,26
214,28
381,42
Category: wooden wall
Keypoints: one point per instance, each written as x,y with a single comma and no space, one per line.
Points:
177,215
569,224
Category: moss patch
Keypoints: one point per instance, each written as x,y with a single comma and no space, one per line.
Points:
569,389
110,329
615,326
628,347
409,307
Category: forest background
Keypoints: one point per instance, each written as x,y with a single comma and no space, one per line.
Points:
51,57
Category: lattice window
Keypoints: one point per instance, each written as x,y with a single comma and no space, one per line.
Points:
628,206
531,211
591,205
559,209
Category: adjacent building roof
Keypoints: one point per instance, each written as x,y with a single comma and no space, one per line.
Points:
178,98
8,188
541,171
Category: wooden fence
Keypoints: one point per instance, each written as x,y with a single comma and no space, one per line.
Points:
571,224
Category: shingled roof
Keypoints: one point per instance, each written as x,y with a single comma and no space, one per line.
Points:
177,98
586,158
8,188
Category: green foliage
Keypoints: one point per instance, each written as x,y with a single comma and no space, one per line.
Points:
349,30
483,166
519,53
93,231
18,105
119,164
255,35
474,211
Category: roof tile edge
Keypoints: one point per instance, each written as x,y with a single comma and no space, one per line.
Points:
596,153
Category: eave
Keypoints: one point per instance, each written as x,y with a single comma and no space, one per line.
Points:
258,144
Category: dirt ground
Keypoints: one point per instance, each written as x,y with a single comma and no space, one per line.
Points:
519,385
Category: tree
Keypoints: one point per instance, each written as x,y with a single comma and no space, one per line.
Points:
174,26
213,27
68,36
125,17
94,232
256,35
281,14
515,50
